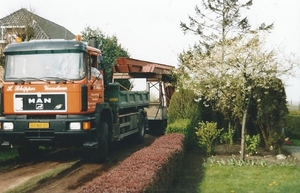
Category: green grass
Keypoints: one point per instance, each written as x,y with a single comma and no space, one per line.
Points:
6,154
214,175
295,142
250,179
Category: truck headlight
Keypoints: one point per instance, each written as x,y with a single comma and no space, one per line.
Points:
75,126
8,126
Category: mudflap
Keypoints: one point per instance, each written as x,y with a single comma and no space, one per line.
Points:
140,136
100,153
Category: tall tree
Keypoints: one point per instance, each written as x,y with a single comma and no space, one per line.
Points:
270,113
217,21
229,60
229,77
110,48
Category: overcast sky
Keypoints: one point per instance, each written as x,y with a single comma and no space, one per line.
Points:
149,29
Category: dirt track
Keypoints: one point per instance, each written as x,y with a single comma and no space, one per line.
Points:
78,174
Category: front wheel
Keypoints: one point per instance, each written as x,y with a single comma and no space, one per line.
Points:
28,152
100,154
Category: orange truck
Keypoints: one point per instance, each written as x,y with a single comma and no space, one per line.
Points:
54,94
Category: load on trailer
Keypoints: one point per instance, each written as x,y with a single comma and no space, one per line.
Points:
54,94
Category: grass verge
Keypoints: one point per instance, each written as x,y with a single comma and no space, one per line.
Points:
234,179
207,175
6,154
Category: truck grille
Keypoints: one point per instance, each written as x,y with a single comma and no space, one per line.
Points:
39,102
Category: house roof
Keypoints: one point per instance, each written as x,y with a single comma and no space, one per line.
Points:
43,28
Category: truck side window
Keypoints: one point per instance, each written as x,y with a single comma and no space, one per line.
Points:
93,67
95,73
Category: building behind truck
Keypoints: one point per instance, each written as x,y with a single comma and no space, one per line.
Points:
27,25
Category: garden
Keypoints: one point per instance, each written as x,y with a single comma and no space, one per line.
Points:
216,164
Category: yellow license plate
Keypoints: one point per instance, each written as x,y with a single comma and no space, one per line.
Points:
113,99
38,125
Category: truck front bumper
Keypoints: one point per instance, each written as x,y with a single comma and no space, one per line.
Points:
58,132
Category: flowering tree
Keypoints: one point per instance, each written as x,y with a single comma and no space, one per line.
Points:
229,74
229,60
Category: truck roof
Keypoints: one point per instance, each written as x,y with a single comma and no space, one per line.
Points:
45,46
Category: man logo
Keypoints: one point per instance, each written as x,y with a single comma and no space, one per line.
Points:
39,102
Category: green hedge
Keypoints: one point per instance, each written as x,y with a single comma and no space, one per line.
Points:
293,126
294,112
185,127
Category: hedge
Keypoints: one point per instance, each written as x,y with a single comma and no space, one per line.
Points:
151,169
185,127
293,126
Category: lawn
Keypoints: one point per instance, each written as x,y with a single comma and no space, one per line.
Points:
205,175
295,142
250,179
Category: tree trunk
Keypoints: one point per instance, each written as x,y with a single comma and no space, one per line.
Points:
243,134
265,138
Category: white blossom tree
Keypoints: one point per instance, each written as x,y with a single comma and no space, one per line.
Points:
229,73
229,60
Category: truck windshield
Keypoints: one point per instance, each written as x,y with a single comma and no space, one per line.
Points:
54,66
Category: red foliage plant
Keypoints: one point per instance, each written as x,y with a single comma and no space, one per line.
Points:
151,169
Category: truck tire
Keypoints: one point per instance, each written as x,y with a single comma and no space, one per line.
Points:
100,154
141,129
28,152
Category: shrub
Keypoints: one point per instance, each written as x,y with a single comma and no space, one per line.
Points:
276,141
269,112
185,127
207,133
226,138
252,143
293,126
183,106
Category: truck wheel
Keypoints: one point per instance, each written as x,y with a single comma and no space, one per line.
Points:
141,128
100,154
28,152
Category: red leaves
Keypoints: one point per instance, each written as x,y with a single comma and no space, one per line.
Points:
151,169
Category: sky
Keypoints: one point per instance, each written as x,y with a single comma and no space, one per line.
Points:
149,29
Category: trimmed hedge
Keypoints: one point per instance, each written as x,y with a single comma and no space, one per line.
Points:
151,169
293,126
185,127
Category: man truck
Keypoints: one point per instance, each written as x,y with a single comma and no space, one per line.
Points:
54,94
